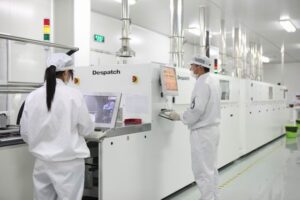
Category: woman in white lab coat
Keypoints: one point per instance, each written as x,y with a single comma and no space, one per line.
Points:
54,123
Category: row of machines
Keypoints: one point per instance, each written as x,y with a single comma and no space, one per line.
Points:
137,152
144,155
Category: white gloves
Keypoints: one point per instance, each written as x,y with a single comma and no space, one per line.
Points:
174,116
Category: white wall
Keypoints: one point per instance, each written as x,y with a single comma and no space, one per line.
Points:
272,74
25,63
63,21
148,45
72,27
82,23
25,19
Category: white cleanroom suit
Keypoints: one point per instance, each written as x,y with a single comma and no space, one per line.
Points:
56,140
203,119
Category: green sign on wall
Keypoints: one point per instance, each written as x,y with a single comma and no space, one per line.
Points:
99,38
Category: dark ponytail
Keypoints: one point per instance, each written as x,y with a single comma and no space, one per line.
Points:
50,78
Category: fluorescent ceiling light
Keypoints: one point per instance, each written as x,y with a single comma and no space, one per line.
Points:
265,59
194,29
215,33
131,2
288,25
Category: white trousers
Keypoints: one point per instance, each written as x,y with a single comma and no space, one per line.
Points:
204,149
58,180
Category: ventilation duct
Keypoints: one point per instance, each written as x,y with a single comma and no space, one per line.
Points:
260,63
282,51
207,44
237,51
256,61
223,45
245,67
125,50
252,63
203,33
176,39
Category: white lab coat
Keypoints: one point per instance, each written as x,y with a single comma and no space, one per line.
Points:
56,137
203,118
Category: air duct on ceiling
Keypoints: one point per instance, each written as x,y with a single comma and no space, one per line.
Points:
282,51
253,53
223,44
125,50
245,66
176,39
259,63
207,44
237,62
203,34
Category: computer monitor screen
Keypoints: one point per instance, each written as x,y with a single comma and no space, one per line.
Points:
169,81
103,108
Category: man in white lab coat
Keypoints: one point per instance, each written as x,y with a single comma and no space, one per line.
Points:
203,119
54,122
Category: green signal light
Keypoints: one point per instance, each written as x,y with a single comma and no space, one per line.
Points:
46,37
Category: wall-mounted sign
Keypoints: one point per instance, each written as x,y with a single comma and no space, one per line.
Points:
99,38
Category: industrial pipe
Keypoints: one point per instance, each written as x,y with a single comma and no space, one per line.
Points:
202,27
223,44
237,52
125,50
176,39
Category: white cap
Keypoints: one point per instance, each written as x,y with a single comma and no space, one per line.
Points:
201,61
61,61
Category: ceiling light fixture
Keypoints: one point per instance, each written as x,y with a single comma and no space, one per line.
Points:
215,33
131,2
288,25
265,59
194,29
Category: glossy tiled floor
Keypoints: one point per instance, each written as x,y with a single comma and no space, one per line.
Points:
271,173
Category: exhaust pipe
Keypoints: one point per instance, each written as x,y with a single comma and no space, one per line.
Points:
207,45
203,34
125,50
259,64
223,44
237,64
176,39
